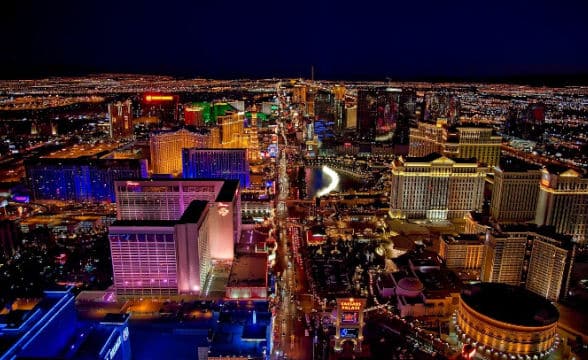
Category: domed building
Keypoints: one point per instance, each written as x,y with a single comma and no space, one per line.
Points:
503,320
409,286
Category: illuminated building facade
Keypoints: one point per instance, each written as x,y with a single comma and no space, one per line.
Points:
426,139
49,327
161,258
299,94
351,117
476,142
248,278
537,259
441,105
515,191
459,142
384,116
504,256
226,164
193,116
80,176
377,113
121,119
349,323
462,251
563,202
161,106
504,321
550,266
166,149
435,187
156,200
232,128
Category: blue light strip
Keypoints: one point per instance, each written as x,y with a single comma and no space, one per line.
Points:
71,299
33,336
23,325
114,331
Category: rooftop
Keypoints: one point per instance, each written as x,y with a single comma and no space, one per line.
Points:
228,192
83,151
249,270
513,164
463,239
510,304
194,211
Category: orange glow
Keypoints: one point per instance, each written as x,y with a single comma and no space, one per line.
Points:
159,97
350,305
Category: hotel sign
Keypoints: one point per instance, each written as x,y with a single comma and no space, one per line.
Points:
350,305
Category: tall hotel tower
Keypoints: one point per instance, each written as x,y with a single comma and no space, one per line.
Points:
435,187
227,164
458,142
563,202
121,119
167,199
515,191
161,258
540,261
166,149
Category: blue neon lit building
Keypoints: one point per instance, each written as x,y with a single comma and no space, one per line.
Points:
226,164
80,179
50,329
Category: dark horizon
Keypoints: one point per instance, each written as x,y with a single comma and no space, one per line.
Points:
503,41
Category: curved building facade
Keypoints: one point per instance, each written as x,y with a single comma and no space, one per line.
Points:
501,319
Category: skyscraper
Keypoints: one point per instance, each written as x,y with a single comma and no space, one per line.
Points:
166,149
504,257
121,119
426,139
563,202
550,266
515,191
227,164
384,116
535,258
167,199
456,142
161,258
81,173
231,127
194,115
377,113
435,187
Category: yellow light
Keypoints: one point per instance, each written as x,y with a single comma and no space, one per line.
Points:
159,98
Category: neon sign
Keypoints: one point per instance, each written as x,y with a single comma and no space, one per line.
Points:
159,98
350,305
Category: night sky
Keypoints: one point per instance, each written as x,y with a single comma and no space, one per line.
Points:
342,39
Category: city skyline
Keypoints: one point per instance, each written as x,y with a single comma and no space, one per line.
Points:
522,41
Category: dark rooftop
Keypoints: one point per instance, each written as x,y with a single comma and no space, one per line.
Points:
193,213
228,191
510,304
513,164
464,239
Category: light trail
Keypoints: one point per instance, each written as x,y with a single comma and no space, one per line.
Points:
332,185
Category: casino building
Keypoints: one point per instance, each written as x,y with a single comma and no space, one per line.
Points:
349,323
503,320
49,328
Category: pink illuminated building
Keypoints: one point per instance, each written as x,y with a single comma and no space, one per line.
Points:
167,199
162,258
